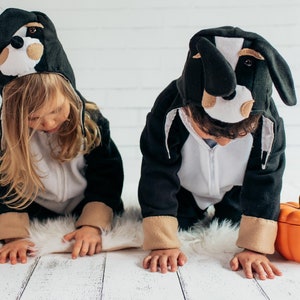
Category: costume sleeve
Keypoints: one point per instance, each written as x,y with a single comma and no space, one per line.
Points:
104,174
159,182
260,198
14,225
96,214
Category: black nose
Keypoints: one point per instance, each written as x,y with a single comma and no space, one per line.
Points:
231,96
17,42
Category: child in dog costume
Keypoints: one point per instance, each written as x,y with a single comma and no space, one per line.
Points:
57,156
214,138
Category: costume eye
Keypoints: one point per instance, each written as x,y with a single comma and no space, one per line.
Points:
248,62
32,30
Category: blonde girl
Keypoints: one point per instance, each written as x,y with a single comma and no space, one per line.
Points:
57,156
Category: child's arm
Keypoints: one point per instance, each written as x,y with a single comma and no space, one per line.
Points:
260,196
260,201
104,174
104,170
159,183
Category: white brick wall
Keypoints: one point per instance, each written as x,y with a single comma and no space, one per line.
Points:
124,52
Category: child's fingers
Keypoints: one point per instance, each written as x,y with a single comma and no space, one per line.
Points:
84,248
76,249
81,248
163,264
146,262
23,256
275,270
98,248
182,259
68,237
154,263
173,263
234,264
3,257
259,269
13,257
94,248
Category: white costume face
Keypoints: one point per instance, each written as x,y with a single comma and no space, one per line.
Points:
239,106
22,54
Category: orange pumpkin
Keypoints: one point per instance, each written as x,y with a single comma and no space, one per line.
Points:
288,235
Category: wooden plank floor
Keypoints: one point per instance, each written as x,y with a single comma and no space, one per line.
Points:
118,275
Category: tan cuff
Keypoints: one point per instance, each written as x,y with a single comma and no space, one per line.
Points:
14,225
160,232
257,234
96,214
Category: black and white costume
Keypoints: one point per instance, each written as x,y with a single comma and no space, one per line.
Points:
90,185
182,174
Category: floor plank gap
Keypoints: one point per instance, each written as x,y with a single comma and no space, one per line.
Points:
260,288
27,278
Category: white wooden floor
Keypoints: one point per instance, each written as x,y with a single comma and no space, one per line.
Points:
119,275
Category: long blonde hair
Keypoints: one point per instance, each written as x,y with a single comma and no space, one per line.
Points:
22,97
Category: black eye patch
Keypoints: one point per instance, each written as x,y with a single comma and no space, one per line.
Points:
31,30
34,32
248,61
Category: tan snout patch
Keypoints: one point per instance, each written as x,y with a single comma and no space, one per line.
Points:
4,55
196,56
208,100
35,51
246,108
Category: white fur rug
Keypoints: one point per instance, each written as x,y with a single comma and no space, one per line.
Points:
212,240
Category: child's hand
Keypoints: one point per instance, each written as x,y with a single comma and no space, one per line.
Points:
251,261
164,260
87,241
16,251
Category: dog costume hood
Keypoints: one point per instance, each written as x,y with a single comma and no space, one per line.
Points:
230,72
28,45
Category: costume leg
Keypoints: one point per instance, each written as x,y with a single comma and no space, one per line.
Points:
229,208
188,211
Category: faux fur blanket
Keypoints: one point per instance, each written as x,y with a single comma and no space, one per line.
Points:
212,239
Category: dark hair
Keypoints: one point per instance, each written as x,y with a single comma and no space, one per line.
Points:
218,128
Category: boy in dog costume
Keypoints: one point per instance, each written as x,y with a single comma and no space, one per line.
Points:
214,138
57,156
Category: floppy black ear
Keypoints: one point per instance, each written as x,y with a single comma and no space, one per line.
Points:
279,72
219,76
